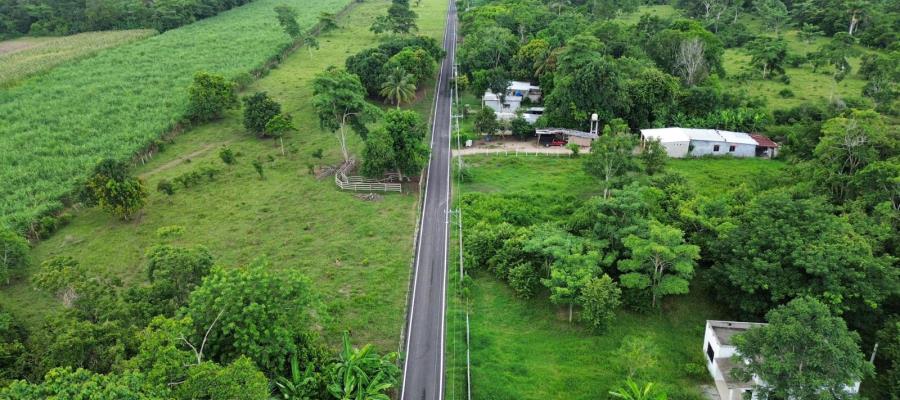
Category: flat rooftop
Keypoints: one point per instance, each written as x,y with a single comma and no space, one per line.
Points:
725,330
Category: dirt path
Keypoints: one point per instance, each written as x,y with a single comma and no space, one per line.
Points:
174,163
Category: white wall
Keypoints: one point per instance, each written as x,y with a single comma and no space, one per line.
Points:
703,147
676,149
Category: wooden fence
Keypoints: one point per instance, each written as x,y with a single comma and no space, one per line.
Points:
361,184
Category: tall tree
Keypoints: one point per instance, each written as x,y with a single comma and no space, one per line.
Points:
611,159
259,108
251,312
768,55
287,18
847,146
660,262
378,155
115,190
804,353
782,246
209,96
399,86
773,12
407,131
339,99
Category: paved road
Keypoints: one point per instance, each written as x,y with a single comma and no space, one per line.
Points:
423,370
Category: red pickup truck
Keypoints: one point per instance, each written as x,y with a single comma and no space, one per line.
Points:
557,142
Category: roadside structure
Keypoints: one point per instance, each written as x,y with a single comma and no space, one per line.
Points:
684,142
507,105
722,357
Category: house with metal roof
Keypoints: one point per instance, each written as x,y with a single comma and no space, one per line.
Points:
684,142
507,105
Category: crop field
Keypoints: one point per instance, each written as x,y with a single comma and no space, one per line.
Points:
57,125
526,349
356,252
24,57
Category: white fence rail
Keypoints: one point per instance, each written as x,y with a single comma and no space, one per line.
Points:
361,184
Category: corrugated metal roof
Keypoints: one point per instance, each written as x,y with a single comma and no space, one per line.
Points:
519,85
666,135
567,132
763,140
708,135
737,137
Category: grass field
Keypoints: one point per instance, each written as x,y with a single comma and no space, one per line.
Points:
57,125
20,58
357,253
528,350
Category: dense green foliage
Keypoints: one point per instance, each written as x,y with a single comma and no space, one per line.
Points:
51,135
112,188
209,96
259,109
804,353
67,17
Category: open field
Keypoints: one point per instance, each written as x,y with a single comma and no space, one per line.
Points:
57,125
24,57
357,253
526,349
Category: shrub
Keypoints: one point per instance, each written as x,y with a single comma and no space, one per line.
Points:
317,153
574,148
259,169
524,279
209,96
600,299
165,187
13,250
786,93
521,128
227,156
169,231
784,78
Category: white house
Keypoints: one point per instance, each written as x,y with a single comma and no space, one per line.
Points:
720,351
683,142
674,140
516,92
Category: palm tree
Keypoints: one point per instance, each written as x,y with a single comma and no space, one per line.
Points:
399,87
632,391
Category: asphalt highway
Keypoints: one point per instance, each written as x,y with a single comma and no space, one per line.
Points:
423,369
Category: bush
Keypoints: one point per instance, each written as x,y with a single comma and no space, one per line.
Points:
786,93
14,249
209,96
784,78
524,280
259,169
521,129
227,156
165,187
170,231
